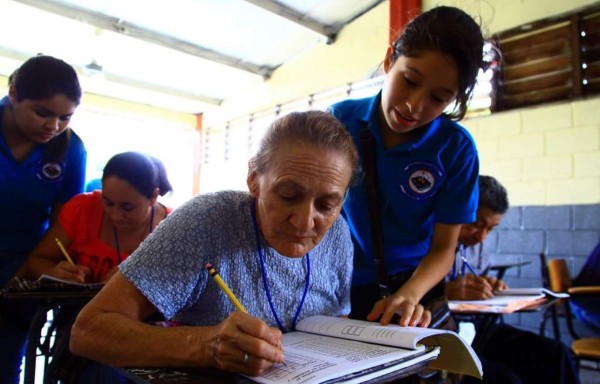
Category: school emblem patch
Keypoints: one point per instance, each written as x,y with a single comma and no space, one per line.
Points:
50,171
422,180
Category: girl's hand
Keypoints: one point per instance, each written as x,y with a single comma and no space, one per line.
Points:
67,271
410,311
245,344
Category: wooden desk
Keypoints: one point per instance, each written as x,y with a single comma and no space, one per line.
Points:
486,320
503,267
47,301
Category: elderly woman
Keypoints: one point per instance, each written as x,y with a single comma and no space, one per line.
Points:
283,250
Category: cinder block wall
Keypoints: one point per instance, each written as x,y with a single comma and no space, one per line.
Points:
548,158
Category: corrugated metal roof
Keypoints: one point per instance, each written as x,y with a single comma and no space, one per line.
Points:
180,54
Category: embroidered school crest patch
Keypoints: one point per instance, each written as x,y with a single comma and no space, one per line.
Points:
50,171
422,180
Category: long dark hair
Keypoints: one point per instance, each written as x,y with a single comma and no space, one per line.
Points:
454,33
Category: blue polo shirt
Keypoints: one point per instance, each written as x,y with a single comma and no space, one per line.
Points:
28,190
430,179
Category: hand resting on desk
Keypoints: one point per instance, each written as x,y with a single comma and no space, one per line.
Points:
471,287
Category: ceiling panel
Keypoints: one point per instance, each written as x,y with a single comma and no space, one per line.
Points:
191,53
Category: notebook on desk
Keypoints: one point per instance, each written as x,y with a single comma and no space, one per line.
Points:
48,283
327,349
507,301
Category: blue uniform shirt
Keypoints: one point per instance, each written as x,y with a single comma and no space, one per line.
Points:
28,190
430,179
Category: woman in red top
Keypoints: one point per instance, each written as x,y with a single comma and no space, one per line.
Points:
100,229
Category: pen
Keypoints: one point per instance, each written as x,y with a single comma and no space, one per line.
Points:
466,264
225,288
64,251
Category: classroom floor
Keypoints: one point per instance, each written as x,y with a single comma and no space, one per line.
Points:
589,376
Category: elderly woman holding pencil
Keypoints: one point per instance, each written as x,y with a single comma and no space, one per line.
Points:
96,231
282,249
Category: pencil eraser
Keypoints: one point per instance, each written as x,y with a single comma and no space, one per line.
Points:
208,266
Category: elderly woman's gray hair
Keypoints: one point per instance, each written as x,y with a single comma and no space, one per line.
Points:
316,128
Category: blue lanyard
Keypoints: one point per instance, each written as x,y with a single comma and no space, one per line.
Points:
465,264
266,283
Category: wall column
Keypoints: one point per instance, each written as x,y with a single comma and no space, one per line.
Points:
401,12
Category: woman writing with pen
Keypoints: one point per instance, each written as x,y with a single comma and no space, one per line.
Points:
282,248
99,230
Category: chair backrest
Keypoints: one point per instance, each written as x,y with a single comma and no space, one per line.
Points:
544,270
558,275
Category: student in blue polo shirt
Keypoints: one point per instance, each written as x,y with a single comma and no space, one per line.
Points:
426,164
42,165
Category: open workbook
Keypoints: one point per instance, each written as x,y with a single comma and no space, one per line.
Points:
507,301
327,349
46,279
539,292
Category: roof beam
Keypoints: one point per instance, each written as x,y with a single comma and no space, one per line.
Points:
327,31
117,25
21,56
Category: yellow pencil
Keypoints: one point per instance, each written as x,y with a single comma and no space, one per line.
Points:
225,288
64,251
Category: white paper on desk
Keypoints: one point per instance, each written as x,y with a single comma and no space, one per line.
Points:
505,304
531,292
502,300
52,279
313,359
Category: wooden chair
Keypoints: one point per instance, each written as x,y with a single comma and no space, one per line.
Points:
584,348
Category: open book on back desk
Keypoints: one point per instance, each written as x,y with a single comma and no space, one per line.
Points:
540,292
327,349
506,301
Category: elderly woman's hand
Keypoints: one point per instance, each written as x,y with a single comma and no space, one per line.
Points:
245,344
410,311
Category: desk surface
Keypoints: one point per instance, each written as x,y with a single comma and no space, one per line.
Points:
214,376
500,266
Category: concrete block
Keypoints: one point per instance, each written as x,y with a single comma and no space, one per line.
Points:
573,191
586,164
499,125
586,111
503,170
548,167
523,193
586,216
574,140
487,149
521,146
544,217
547,117
512,219
522,242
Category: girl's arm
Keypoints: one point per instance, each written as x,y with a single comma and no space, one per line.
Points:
433,268
47,258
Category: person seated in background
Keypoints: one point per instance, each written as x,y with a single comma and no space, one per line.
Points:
587,308
508,354
283,249
100,229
